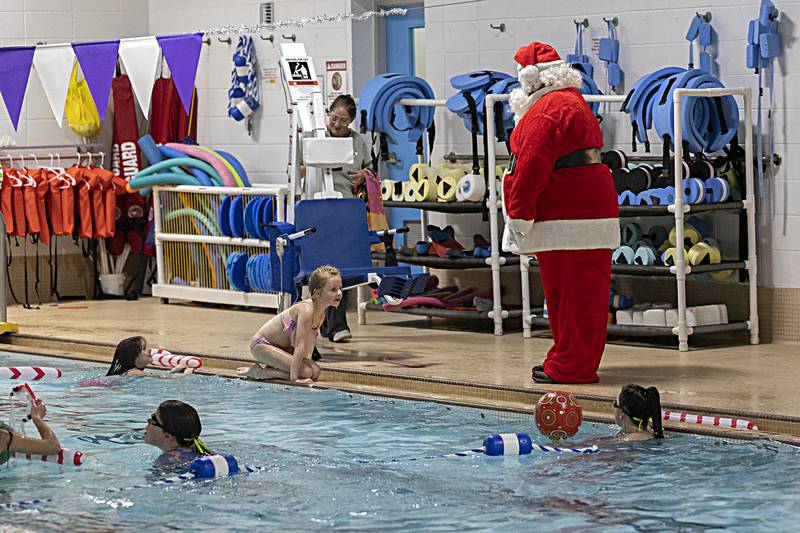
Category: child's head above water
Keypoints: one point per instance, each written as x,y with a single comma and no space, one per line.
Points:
636,405
130,353
325,285
176,420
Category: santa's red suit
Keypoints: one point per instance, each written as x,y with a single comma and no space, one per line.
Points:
561,206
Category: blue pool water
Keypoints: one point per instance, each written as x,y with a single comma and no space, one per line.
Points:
342,461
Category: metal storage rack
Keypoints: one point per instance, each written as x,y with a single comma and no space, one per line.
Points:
679,209
494,262
185,249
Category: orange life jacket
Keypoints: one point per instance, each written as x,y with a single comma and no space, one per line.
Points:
54,205
29,195
18,200
42,192
82,190
6,201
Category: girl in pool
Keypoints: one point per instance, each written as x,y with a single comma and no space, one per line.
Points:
11,441
175,428
633,408
132,356
285,342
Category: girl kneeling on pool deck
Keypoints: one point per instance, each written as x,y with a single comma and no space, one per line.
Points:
133,355
11,441
175,428
633,408
285,342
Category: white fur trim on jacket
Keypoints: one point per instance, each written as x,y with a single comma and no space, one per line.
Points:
548,235
536,81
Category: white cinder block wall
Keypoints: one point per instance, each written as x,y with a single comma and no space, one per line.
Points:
26,22
651,34
265,154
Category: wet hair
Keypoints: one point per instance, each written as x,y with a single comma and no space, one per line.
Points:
181,420
320,277
125,355
345,101
641,405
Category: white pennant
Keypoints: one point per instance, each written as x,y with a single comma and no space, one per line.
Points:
54,64
140,57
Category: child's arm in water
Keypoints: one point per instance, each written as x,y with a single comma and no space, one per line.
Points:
304,338
47,445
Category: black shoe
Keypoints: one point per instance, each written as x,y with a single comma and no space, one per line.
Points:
315,355
539,376
538,368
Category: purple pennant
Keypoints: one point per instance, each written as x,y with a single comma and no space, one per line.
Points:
98,62
15,69
182,53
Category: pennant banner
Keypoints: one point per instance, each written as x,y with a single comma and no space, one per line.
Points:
15,69
54,64
182,53
98,61
140,57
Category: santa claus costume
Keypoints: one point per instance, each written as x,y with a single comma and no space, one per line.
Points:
561,206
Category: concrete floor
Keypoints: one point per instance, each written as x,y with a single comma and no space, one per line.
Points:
756,379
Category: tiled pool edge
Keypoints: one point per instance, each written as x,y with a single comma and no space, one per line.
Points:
442,390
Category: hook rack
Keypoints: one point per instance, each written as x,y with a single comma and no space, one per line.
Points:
614,21
271,38
291,37
229,40
584,23
705,16
207,41
501,27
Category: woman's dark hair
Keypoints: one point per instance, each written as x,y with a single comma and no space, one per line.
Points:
345,101
125,355
181,420
641,405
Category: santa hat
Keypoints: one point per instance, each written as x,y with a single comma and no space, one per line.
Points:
540,70
532,60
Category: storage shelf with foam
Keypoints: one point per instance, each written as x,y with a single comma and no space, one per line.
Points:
663,210
441,207
663,270
460,263
435,312
656,331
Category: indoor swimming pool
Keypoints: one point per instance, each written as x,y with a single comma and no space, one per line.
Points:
334,460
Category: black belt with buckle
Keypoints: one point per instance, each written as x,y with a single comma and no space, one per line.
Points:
578,158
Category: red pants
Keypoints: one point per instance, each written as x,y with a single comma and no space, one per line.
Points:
577,284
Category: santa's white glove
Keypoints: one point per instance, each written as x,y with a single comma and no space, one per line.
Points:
515,233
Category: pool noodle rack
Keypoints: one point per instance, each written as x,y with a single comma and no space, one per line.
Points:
679,210
183,250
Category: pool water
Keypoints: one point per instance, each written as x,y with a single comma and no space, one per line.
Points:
333,460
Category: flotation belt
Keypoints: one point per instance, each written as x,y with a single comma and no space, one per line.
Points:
243,97
578,57
701,29
477,85
379,112
609,52
763,46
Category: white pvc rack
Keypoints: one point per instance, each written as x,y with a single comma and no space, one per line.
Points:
495,261
681,269
200,289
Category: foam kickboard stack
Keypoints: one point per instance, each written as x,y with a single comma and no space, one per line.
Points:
664,315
